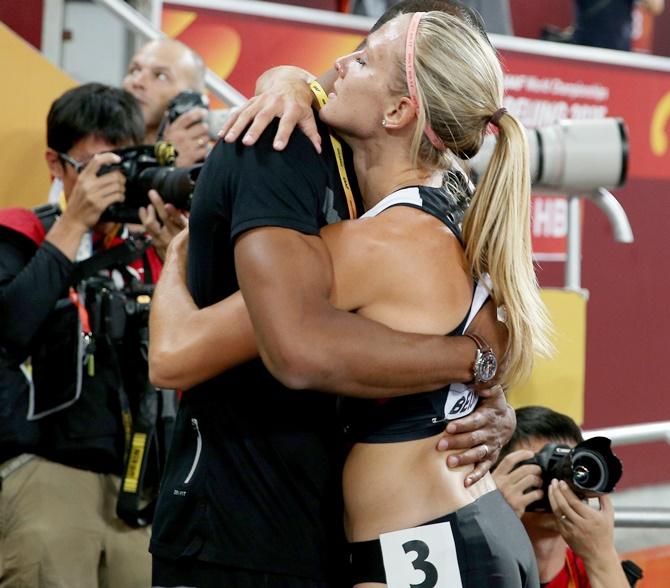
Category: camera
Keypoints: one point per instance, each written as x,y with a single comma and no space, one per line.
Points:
590,469
572,155
149,167
189,99
181,103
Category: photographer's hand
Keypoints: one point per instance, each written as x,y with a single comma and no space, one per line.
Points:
90,196
589,533
189,134
162,222
513,483
281,92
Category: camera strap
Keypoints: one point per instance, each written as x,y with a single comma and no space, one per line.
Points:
142,439
120,255
321,99
145,456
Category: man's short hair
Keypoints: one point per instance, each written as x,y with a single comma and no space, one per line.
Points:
453,7
109,113
540,422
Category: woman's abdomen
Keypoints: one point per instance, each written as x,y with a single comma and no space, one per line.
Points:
391,486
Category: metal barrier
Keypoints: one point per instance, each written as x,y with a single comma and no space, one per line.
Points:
143,26
630,517
632,434
626,516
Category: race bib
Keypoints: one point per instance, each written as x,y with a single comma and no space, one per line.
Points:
461,401
421,557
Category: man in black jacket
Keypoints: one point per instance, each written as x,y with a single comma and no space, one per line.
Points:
63,428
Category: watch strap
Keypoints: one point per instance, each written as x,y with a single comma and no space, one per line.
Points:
482,345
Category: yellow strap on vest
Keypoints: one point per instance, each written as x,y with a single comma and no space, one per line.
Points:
321,99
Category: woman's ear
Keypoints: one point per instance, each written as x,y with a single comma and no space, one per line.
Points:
400,114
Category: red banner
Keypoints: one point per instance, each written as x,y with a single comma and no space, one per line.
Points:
541,89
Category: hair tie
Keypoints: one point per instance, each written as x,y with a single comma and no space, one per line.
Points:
497,115
411,77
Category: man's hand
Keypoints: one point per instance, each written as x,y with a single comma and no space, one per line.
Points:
481,434
519,486
282,92
162,222
189,134
589,533
92,194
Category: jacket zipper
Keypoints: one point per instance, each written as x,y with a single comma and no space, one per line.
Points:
198,449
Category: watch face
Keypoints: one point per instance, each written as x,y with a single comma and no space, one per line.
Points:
487,366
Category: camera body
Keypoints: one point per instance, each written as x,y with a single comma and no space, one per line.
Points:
183,102
189,99
149,167
590,469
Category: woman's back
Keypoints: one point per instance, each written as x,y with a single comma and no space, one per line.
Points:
404,268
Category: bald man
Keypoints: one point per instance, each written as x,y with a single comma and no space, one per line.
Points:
159,71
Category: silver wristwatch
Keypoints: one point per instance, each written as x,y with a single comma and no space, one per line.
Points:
486,364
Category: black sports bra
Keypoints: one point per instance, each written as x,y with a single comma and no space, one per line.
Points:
415,416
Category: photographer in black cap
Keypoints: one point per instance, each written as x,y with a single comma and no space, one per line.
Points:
64,428
573,542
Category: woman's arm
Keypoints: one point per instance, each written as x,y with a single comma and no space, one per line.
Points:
653,6
280,92
189,345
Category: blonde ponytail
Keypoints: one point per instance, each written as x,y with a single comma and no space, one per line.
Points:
460,89
496,230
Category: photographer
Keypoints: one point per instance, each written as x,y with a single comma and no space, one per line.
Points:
63,435
573,542
157,73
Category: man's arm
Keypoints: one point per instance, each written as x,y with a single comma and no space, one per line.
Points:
189,345
30,285
285,278
590,534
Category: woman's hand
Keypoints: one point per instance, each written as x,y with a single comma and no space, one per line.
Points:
481,434
177,253
281,92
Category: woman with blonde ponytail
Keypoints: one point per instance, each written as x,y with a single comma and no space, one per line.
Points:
423,91
426,88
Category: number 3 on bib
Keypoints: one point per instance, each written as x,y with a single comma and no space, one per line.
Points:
421,557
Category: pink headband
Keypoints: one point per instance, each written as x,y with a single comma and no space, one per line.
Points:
411,77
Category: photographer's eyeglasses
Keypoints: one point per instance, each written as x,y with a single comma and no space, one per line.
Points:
78,166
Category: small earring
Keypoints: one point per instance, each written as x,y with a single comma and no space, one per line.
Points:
384,122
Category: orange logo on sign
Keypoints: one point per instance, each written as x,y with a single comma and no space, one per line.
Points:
658,135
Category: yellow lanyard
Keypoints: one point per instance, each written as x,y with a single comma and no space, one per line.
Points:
321,99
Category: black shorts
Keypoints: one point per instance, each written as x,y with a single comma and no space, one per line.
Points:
193,573
481,544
